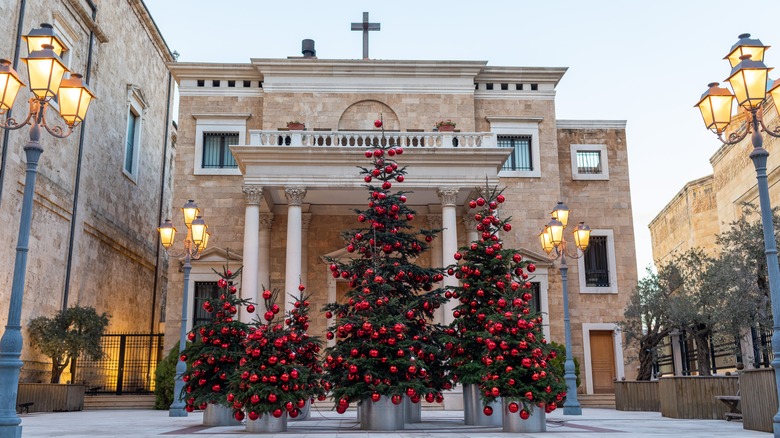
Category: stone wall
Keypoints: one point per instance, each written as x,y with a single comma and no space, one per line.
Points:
113,260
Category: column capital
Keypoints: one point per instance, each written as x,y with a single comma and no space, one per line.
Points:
252,194
305,221
468,221
448,196
295,195
266,220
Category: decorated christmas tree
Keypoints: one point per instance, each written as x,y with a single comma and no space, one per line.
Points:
386,343
279,371
215,347
499,343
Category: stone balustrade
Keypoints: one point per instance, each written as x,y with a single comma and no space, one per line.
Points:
362,139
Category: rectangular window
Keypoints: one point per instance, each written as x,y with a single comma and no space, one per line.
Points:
588,162
216,150
131,146
520,159
596,261
204,291
536,301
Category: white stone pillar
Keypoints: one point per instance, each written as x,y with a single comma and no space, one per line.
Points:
676,353
470,225
252,195
292,273
305,221
434,223
264,266
449,222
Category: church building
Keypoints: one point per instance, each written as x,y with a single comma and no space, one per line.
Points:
276,197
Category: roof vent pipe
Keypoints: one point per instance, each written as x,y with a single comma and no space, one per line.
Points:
307,48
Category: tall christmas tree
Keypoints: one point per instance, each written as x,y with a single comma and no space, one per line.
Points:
215,347
499,340
386,343
279,371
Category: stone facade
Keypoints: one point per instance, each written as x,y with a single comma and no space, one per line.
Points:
113,258
338,100
705,207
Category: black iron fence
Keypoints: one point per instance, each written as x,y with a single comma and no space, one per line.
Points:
127,366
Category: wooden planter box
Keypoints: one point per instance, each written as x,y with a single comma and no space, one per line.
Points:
694,397
759,398
637,396
51,397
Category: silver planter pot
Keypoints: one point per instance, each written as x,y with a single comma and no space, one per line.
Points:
537,422
218,415
267,423
303,414
412,411
381,415
473,410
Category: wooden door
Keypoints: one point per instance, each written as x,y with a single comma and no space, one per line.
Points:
602,358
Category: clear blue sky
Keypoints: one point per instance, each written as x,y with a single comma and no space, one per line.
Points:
645,62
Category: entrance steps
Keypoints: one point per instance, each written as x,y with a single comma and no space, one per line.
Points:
110,401
597,400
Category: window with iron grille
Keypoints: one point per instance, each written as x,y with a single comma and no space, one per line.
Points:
204,291
596,262
588,162
520,159
216,150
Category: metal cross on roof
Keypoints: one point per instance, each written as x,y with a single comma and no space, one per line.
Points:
365,26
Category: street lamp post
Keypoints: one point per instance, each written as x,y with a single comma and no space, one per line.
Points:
554,244
194,244
45,77
749,80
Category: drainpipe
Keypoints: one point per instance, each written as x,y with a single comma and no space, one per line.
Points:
73,217
15,64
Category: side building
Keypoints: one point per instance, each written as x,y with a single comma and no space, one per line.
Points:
276,199
100,193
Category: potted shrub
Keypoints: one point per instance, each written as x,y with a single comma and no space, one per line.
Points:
296,125
63,338
445,125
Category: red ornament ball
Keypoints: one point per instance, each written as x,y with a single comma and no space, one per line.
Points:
250,308
524,414
488,411
378,123
513,407
267,294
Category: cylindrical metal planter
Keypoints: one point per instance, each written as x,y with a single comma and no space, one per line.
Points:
267,423
537,422
381,415
303,414
218,415
473,412
412,411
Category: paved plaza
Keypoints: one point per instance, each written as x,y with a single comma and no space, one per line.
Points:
325,424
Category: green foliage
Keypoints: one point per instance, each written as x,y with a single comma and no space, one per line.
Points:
164,376
279,371
646,320
215,347
69,334
559,362
386,344
498,338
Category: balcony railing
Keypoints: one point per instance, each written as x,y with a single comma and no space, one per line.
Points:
363,139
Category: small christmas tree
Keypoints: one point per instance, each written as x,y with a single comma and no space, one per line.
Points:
386,343
499,341
279,372
215,347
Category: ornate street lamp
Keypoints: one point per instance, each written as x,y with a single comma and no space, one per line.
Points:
45,72
194,244
553,241
749,80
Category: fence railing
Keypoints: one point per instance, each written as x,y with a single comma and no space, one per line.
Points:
128,364
363,139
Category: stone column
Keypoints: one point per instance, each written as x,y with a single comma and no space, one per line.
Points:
264,267
305,221
449,243
434,223
292,273
470,225
252,195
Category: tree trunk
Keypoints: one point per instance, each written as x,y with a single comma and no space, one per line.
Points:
645,364
702,353
73,370
57,368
